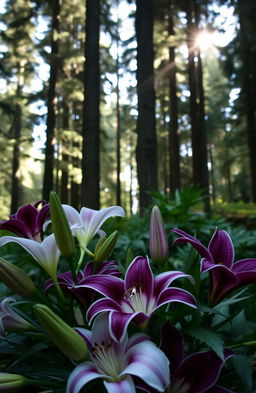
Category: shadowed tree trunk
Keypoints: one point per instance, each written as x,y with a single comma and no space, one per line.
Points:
174,142
52,102
15,187
197,112
146,153
65,156
249,84
91,123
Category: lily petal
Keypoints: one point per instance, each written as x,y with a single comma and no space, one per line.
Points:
98,218
118,323
222,281
176,295
186,238
139,275
172,344
101,305
164,279
221,248
218,389
81,375
245,265
150,364
16,226
46,253
72,215
124,386
190,371
109,286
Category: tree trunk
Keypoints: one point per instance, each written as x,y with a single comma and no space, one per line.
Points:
146,153
91,123
197,112
17,125
65,156
248,91
15,187
174,142
118,138
52,103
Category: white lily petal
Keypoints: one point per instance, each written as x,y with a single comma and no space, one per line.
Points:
86,215
80,376
72,215
52,254
150,364
31,246
126,385
101,216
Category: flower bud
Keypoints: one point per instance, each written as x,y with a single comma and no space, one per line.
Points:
60,226
69,342
10,320
15,279
104,249
158,243
10,383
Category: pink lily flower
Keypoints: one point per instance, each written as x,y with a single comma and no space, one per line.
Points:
136,297
121,366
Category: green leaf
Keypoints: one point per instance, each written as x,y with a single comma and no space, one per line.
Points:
243,368
212,339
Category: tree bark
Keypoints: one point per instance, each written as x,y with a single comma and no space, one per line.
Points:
15,187
52,102
146,153
197,111
65,156
174,142
91,123
248,91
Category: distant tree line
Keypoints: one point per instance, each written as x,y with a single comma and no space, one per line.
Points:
179,126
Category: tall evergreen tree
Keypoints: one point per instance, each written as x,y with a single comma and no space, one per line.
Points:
247,36
174,142
91,115
197,111
147,143
48,182
17,68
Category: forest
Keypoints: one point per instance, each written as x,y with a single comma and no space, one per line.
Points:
107,101
127,196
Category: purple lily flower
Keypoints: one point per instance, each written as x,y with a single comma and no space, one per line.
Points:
85,296
120,365
186,373
28,221
136,297
218,259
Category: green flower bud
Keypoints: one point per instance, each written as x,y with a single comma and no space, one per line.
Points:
60,226
15,279
104,249
69,342
158,244
10,383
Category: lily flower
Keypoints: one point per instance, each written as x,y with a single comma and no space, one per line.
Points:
85,296
46,253
10,320
186,373
28,221
136,297
119,365
218,259
87,223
